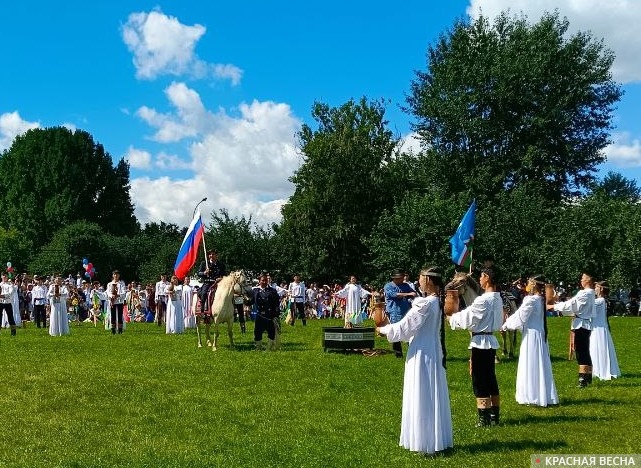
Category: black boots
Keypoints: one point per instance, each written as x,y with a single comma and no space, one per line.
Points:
583,380
494,417
242,328
13,331
485,417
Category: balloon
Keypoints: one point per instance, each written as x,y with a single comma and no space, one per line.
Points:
87,275
8,264
85,261
10,269
89,266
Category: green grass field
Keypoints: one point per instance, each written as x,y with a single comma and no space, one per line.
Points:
147,399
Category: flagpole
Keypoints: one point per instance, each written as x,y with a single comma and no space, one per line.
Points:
204,248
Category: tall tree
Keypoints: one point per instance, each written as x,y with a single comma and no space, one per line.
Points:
619,187
52,177
340,187
509,102
239,242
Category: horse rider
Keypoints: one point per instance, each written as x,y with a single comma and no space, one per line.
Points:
210,273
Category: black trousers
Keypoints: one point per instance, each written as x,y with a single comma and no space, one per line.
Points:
582,346
298,310
239,309
8,308
263,324
484,381
116,314
40,315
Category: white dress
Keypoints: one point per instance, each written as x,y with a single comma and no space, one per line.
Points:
353,294
426,424
187,299
174,319
58,319
605,364
534,378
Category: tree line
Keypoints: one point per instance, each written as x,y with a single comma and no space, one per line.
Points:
513,114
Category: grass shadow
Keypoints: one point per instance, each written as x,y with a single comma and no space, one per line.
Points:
589,401
543,419
520,445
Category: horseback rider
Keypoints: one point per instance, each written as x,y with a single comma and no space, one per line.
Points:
210,273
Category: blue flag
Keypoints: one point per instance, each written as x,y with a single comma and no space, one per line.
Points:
463,239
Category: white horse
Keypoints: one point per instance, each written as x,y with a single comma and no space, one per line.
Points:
469,289
222,306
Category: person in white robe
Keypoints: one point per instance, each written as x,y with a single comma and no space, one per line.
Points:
354,294
426,421
187,301
58,318
175,318
605,364
534,379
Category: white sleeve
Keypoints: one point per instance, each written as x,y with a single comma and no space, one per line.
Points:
411,323
522,314
468,318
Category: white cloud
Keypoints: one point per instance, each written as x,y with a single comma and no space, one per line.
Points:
138,159
171,162
228,71
189,119
624,151
411,143
616,21
12,125
162,45
241,163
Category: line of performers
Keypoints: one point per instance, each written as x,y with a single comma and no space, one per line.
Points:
426,423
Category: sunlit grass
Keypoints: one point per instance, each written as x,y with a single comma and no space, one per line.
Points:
148,399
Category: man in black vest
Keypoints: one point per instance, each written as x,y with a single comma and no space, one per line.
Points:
210,273
267,311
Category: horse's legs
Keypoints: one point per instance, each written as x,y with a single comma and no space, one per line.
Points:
214,345
513,343
207,334
230,332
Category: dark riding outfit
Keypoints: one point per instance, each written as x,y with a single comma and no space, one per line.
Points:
210,282
267,303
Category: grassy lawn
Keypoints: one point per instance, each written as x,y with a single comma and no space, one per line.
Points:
148,399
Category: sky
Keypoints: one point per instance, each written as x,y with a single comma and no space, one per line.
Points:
204,99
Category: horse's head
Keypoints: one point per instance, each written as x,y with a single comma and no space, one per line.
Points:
462,282
241,283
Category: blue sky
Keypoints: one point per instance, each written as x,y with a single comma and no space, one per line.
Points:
204,98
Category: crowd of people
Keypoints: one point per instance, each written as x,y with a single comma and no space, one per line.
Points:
414,313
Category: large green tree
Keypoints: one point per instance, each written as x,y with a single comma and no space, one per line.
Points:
52,177
341,186
240,243
511,102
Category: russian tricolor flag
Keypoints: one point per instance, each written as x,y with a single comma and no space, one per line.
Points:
189,248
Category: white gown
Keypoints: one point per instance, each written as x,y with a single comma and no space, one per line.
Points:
187,299
353,294
58,318
534,378
175,319
426,424
605,364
